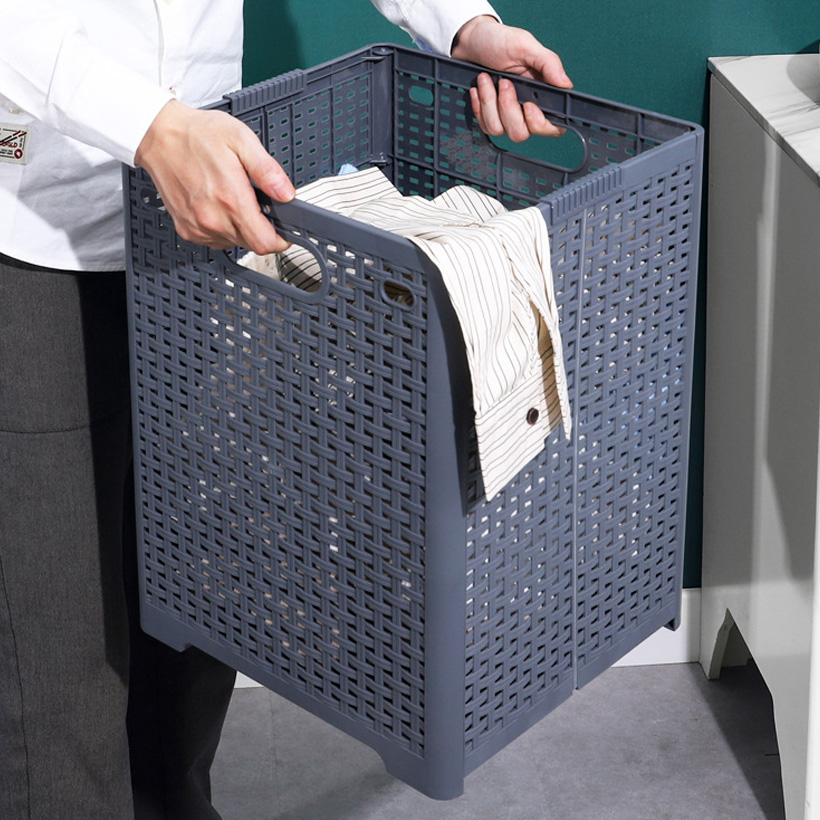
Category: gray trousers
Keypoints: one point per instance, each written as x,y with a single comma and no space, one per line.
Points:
97,720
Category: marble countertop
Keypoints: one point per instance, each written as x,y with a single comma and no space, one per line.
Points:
782,92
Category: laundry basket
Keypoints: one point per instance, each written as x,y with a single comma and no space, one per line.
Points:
310,505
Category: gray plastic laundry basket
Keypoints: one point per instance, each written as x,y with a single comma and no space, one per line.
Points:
310,506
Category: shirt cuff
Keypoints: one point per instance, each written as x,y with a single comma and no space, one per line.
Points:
513,431
437,31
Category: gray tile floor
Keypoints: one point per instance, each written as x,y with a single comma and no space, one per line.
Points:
638,743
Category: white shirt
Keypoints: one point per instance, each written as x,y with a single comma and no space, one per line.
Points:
496,267
81,81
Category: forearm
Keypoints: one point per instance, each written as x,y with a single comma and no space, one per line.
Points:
464,42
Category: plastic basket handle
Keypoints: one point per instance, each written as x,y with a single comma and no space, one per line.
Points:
292,221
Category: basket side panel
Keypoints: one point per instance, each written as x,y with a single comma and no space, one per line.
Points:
539,618
330,122
634,371
281,459
438,144
520,578
281,438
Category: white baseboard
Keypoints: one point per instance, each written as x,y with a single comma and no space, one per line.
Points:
665,646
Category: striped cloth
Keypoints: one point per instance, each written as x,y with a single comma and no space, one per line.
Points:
495,265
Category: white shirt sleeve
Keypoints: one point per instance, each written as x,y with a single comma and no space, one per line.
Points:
50,69
433,24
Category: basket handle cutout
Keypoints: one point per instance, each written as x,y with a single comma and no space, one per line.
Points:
421,94
302,270
567,153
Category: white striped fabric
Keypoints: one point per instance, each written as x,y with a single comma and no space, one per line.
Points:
496,267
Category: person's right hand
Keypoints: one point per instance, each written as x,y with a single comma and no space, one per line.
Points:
202,163
486,41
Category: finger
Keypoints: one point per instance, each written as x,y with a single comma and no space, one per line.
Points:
230,218
206,226
511,113
255,229
477,112
210,220
538,124
548,65
266,172
489,120
256,232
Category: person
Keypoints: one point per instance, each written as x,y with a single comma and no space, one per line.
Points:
97,719
223,164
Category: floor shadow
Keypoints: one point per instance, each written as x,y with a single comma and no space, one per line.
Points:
644,742
742,708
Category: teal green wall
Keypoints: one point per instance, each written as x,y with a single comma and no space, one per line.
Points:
650,53
647,53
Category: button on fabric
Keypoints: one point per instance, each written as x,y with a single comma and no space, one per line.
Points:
532,415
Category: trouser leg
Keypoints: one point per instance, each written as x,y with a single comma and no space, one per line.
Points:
176,712
63,626
65,514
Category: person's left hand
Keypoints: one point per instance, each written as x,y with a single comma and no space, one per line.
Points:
202,163
486,41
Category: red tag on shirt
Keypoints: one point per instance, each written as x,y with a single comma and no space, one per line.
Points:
13,144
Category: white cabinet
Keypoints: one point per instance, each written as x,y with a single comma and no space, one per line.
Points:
761,527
